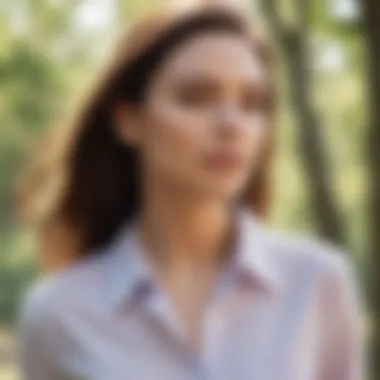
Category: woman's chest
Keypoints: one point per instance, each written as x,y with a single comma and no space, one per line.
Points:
246,342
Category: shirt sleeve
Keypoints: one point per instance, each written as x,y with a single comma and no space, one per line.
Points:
37,353
342,351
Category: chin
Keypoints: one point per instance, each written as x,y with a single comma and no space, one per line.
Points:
224,192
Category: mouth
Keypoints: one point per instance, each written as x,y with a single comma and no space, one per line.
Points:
224,161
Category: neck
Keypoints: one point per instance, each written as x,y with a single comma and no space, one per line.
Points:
179,230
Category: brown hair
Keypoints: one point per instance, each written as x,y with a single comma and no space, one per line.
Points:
90,187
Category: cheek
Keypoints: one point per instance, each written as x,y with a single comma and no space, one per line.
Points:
256,136
174,137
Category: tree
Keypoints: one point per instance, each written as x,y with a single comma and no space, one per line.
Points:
293,42
371,10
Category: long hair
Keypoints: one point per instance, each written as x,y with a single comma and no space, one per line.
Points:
89,186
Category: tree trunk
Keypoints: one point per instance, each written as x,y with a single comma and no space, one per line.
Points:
311,141
293,43
371,10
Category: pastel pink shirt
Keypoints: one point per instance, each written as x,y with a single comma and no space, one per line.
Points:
285,309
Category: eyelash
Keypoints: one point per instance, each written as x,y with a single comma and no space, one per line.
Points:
199,97
256,103
194,97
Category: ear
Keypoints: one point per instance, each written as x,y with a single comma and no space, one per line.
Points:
126,124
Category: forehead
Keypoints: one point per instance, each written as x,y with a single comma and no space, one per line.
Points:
217,55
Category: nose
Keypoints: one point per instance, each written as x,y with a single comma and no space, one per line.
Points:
229,120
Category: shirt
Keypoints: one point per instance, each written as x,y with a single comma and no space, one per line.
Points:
285,308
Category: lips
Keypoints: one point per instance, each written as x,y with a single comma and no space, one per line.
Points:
224,161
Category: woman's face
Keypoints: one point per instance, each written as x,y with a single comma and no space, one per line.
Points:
203,124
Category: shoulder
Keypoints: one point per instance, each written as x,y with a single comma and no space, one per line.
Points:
308,251
328,266
53,299
79,289
320,276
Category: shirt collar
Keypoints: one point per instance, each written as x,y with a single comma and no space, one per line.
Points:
129,274
254,255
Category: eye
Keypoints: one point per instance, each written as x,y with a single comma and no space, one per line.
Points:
195,95
255,101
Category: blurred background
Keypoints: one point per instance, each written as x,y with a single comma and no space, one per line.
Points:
328,158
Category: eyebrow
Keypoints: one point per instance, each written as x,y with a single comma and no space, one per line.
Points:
211,80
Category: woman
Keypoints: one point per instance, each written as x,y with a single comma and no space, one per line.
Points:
169,271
